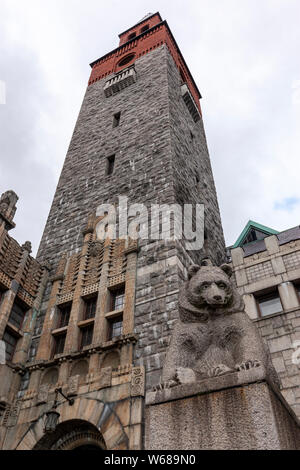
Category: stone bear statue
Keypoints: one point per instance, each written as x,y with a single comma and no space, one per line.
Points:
214,335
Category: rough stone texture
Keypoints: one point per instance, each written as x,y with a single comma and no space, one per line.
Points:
214,335
221,414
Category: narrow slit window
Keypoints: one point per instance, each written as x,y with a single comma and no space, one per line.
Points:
110,165
116,119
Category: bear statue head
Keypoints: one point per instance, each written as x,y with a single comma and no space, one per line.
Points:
208,291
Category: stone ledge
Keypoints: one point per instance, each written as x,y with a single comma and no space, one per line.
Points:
237,411
223,382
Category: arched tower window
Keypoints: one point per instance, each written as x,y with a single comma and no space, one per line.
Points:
126,60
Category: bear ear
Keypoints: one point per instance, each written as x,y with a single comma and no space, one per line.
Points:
193,270
227,269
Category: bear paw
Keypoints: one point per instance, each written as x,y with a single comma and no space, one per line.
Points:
247,365
220,369
165,385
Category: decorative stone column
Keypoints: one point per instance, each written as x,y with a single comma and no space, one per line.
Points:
288,295
250,306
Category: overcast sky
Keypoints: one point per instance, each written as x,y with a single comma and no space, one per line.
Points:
244,56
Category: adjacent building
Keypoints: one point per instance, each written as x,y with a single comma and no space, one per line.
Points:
266,266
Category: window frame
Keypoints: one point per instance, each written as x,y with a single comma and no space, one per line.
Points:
114,295
14,335
111,322
61,314
116,119
110,165
82,329
267,296
87,301
24,310
57,338
126,60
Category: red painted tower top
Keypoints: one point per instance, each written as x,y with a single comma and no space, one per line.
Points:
148,34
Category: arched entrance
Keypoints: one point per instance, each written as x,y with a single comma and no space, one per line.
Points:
90,421
74,435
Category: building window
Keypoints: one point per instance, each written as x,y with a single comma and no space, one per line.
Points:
59,344
115,327
110,165
117,299
10,341
17,315
131,36
126,60
64,312
253,236
90,308
144,28
269,304
116,119
86,336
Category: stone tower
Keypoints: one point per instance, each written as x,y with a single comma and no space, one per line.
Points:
103,322
139,134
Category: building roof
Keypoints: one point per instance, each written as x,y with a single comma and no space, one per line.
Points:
258,246
256,226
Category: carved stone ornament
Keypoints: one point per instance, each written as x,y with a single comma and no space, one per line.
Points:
43,394
13,415
138,382
73,384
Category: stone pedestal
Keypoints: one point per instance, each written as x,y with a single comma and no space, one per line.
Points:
242,410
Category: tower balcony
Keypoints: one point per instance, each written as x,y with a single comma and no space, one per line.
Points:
120,81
